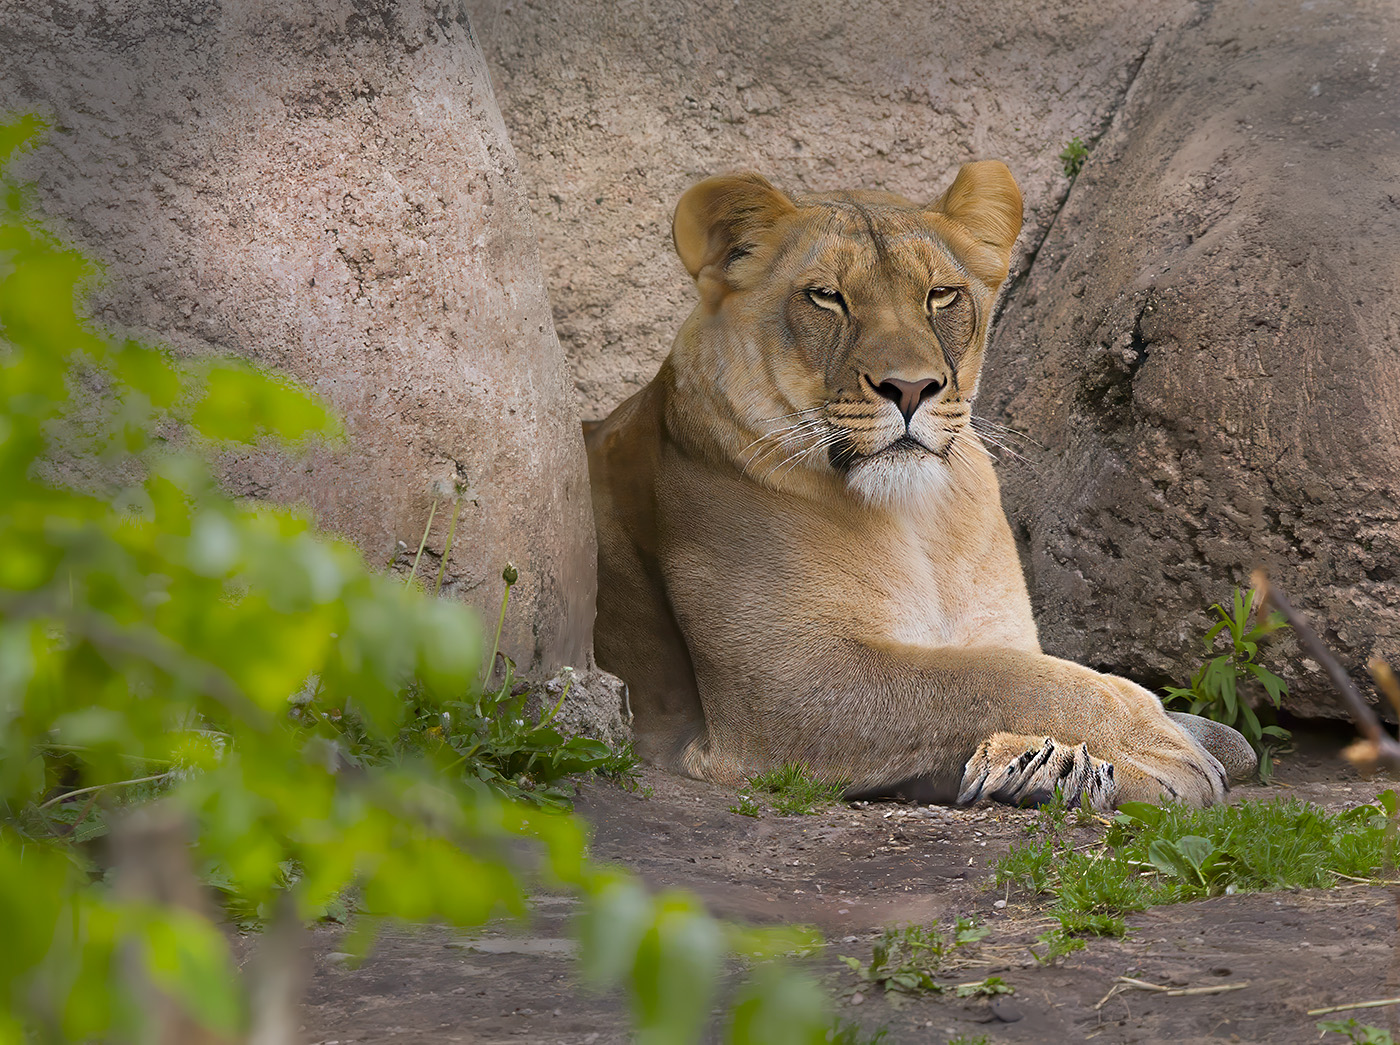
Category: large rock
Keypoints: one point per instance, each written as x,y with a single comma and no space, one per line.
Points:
615,109
1208,345
327,187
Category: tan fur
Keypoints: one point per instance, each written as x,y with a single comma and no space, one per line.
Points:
783,575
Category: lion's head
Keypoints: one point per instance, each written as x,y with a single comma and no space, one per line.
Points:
840,336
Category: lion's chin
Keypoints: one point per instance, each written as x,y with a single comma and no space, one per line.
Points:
902,481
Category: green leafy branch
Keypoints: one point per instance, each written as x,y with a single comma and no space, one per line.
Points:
166,649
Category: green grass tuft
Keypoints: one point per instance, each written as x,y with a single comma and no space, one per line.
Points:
845,1032
1173,853
792,791
746,806
910,959
1357,1033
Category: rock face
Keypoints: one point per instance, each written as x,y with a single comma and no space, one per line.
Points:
616,109
326,187
1208,346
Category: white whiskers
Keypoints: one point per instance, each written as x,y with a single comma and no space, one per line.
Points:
793,441
999,436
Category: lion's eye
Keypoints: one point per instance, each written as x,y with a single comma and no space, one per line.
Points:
941,297
825,297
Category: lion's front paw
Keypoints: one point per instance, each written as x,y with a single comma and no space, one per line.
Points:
1019,771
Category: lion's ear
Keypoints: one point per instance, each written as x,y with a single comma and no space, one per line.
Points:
721,219
985,201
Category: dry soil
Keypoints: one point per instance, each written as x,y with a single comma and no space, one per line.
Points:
850,871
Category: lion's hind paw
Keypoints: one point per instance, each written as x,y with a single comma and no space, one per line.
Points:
1031,775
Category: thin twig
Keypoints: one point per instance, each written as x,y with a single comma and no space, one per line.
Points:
82,815
1385,681
77,748
1379,747
98,787
1105,999
1366,881
1130,983
1355,1005
1182,992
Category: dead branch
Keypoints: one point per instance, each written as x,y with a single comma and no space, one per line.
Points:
1355,1005
1377,749
1129,983
1385,681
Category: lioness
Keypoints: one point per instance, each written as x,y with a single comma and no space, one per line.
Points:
801,548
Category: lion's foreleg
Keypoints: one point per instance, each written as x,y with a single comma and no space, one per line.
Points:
886,716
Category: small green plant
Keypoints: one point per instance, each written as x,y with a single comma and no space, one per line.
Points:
746,806
489,738
963,1039
1031,867
792,790
1357,1033
845,1032
1057,944
988,988
910,959
1072,157
624,768
1216,688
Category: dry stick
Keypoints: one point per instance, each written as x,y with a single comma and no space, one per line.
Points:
1124,983
1173,992
1366,881
1380,746
1385,681
1355,1005
82,814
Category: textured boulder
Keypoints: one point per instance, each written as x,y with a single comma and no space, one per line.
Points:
1208,346
327,187
616,109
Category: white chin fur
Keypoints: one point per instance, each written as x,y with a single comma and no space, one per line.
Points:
904,481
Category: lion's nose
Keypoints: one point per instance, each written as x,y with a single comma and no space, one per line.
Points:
907,395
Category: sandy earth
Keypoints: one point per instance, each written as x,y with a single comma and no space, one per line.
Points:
852,870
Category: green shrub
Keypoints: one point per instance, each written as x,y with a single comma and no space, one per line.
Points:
163,646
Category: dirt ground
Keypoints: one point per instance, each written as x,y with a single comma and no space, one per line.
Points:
851,870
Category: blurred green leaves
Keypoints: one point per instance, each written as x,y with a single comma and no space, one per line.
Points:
320,730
